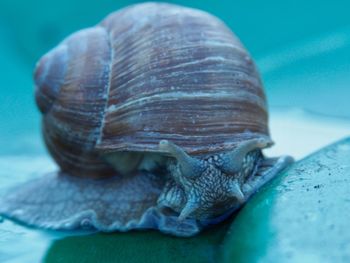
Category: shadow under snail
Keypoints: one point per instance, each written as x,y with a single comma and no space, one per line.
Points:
156,117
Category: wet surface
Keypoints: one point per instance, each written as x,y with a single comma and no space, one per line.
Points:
302,216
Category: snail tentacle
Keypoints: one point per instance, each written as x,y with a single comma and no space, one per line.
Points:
236,191
233,160
190,167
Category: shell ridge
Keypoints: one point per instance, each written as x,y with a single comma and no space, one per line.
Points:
174,96
108,88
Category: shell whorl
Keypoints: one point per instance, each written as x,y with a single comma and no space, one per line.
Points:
146,73
72,83
179,74
48,76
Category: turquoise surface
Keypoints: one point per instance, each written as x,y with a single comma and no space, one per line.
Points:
302,216
302,49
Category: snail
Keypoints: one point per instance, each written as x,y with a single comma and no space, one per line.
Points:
156,118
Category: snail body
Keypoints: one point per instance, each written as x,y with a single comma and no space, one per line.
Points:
156,117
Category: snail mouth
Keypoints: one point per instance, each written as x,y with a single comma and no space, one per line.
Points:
49,76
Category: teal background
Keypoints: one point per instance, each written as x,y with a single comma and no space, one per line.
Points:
302,49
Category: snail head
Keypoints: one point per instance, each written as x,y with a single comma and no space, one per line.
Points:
206,188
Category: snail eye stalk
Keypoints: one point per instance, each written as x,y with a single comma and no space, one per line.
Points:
190,167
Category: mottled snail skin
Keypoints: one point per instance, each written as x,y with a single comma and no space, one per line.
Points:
209,187
156,117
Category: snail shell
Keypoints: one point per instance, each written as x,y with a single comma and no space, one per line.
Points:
147,73
151,101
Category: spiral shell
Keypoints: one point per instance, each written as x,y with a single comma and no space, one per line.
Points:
72,84
178,74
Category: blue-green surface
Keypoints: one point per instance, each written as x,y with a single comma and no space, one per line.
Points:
302,49
302,216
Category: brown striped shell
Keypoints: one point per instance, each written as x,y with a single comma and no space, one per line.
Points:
146,73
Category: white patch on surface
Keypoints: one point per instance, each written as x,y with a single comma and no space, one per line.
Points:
299,133
16,168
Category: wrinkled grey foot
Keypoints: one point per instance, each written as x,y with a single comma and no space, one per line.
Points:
208,188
